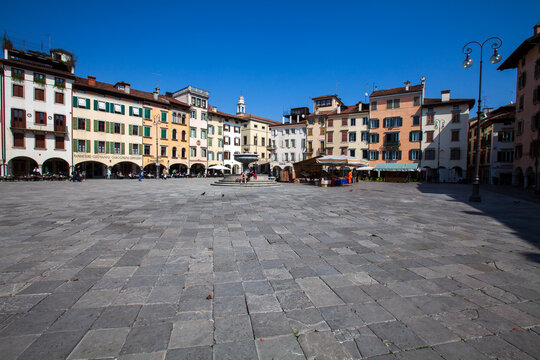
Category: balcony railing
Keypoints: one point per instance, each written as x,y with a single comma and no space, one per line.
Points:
392,143
18,124
60,128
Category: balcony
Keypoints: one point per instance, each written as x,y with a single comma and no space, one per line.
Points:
271,148
321,152
308,151
392,144
18,124
60,129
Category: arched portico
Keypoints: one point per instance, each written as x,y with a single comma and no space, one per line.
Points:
55,166
197,169
21,166
93,169
124,168
178,168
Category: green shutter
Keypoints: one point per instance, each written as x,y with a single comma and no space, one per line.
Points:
122,149
123,107
107,147
88,146
95,125
88,103
88,125
140,149
163,116
74,101
140,131
130,126
141,112
95,146
131,111
95,105
107,107
130,146
147,113
74,123
122,128
74,143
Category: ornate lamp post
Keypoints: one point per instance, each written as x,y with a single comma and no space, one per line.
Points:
467,63
156,122
439,125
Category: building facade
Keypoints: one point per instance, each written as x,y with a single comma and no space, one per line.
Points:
345,130
394,114
198,126
316,124
287,146
36,111
224,138
526,59
443,138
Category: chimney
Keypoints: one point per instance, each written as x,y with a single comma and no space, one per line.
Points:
407,85
91,80
486,111
156,94
127,88
214,108
536,29
445,95
360,106
339,109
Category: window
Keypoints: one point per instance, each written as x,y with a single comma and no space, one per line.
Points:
81,124
365,136
455,116
455,135
58,98
39,78
344,122
310,131
146,131
203,116
520,127
163,151
415,155
429,136
227,127
40,141
391,138
344,136
193,114
203,152
192,151
59,82
117,148
59,143
134,130
209,141
286,143
293,143
392,122
416,120
227,155
263,141
183,135
373,105
321,130
415,136
416,101
330,122
117,128
203,134
163,134
505,155
237,129
429,119
286,157
163,116
322,145
227,140
192,132
455,154
518,151
17,74
374,138
324,102
210,129
255,142
393,104
41,118
522,80
429,154
505,135
174,134
373,155
18,90
18,119
134,149
210,155
293,157
147,149
183,153
18,140
81,145
521,102
100,147
60,123
39,94
373,123
237,141
147,113
330,151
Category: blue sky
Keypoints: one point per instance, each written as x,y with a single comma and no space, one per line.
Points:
280,54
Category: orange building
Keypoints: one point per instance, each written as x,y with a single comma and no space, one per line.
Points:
394,113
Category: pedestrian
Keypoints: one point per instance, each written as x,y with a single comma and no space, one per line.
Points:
140,174
350,177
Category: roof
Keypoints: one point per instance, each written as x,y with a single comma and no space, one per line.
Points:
512,61
210,111
352,109
324,96
255,117
395,91
26,64
299,124
137,94
174,101
396,167
503,114
438,102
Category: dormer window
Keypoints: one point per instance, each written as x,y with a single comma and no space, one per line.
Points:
324,102
121,87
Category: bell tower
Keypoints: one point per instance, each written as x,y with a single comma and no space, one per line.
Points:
241,106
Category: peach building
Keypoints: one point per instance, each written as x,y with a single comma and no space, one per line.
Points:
316,123
526,59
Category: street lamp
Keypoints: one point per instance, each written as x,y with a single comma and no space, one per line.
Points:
156,122
439,125
467,63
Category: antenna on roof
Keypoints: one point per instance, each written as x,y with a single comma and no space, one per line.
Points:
157,79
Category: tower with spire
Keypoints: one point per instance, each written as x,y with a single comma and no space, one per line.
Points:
241,106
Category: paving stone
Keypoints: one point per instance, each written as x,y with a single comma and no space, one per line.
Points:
430,330
290,300
230,329
192,333
19,303
279,348
100,344
194,353
262,303
306,320
155,313
117,317
372,313
496,347
526,341
76,319
368,343
229,289
270,324
421,354
229,306
318,292
240,350
34,322
147,339
321,346
396,333
12,347
42,287
53,346
97,298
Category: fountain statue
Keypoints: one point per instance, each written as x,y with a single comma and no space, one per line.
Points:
235,180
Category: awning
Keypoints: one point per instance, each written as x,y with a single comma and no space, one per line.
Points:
396,167
336,160
365,168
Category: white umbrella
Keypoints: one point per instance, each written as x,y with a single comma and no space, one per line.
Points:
218,167
341,160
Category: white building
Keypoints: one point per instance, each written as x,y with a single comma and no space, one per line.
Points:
198,126
444,132
226,130
36,114
288,145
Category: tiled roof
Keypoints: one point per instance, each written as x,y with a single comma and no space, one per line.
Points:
395,91
174,101
438,102
210,111
34,66
255,117
324,96
513,60
300,124
353,109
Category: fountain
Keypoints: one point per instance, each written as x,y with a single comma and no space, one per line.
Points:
234,180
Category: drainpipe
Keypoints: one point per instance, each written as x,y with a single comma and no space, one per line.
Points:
3,171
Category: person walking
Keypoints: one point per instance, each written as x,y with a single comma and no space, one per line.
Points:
140,173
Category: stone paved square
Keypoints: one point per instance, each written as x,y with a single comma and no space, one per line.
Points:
178,269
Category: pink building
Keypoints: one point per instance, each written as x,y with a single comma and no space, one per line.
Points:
526,59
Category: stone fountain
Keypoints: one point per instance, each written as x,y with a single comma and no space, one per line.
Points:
245,159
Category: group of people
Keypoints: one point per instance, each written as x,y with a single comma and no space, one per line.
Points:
247,175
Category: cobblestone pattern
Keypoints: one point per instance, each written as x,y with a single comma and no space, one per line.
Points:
177,269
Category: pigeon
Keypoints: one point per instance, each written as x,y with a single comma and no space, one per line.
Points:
203,193
222,195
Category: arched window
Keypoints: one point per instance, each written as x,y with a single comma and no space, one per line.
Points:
174,151
174,134
183,152
183,135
